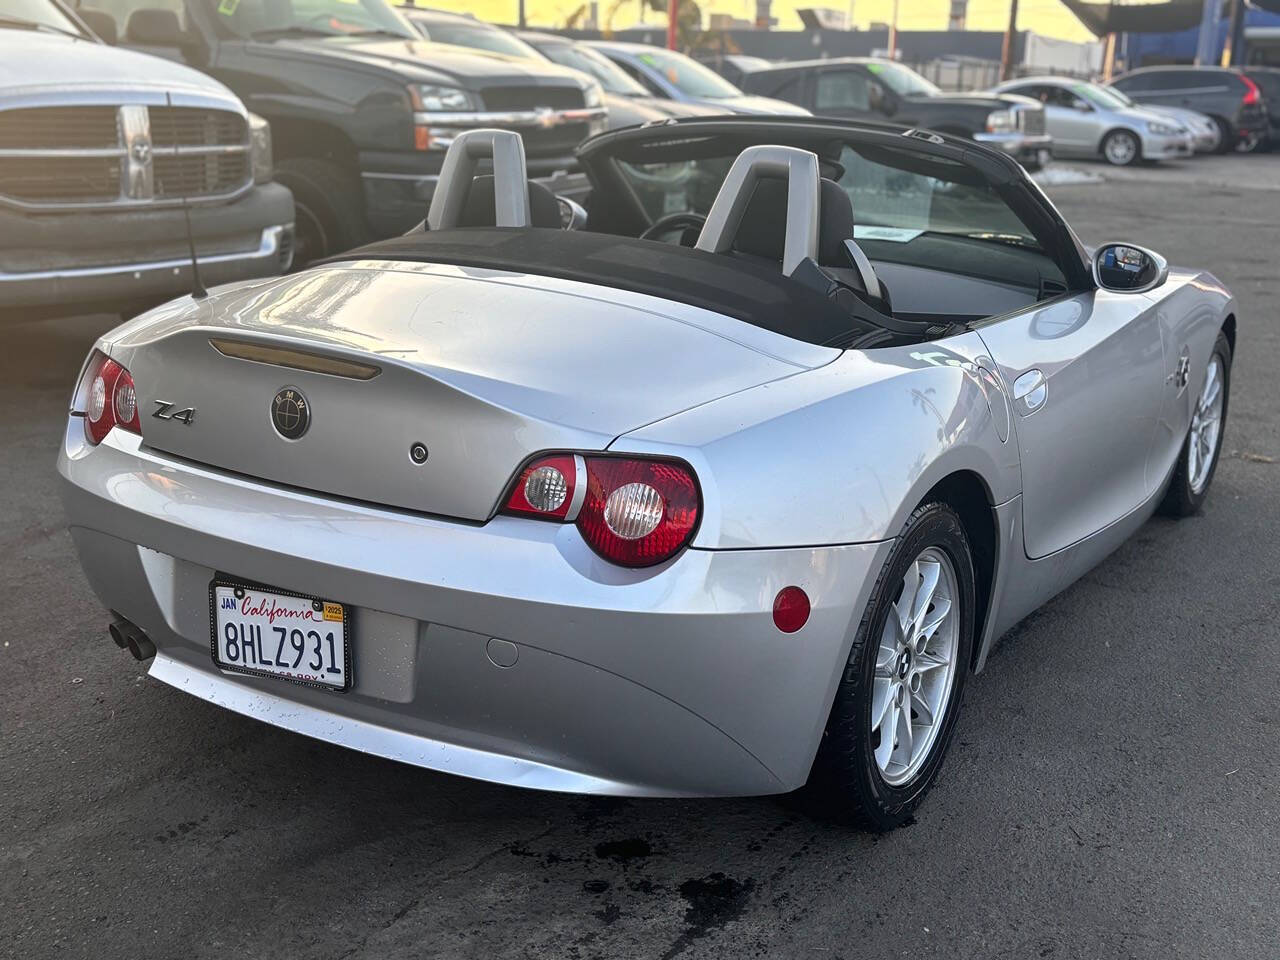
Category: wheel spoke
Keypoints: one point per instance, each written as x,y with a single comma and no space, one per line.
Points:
886,657
930,572
933,619
1212,386
928,662
910,585
885,750
924,712
882,694
906,737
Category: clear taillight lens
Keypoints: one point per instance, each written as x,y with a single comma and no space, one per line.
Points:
110,399
635,512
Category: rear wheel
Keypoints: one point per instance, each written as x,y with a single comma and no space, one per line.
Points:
1200,451
328,208
896,707
1226,136
1121,148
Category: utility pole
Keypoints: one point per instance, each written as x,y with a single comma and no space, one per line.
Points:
1233,49
893,32
673,11
521,17
1010,34
1207,41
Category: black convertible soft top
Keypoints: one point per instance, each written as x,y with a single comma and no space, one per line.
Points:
748,291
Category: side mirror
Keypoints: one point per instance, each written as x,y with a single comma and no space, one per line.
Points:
101,23
1124,268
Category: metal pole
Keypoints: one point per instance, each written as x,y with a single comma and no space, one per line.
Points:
1006,52
1207,41
893,33
1233,49
673,10
522,21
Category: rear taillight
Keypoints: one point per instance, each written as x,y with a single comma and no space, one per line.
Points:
1252,95
635,512
110,399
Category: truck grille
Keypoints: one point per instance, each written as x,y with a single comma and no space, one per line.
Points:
1031,120
531,98
76,156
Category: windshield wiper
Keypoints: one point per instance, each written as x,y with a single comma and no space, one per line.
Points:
378,32
19,23
297,30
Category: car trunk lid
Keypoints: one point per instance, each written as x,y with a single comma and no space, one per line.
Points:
480,368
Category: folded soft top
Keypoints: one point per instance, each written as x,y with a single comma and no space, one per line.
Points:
744,289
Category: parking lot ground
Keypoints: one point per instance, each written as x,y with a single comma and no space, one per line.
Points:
1112,790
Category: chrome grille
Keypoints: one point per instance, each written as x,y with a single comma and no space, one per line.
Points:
1030,120
531,98
78,156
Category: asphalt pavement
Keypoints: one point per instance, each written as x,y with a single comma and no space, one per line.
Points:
1111,792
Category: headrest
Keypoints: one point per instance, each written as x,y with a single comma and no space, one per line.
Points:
479,210
762,232
153,26
101,23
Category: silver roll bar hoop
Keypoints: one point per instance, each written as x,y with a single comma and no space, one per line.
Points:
799,168
510,179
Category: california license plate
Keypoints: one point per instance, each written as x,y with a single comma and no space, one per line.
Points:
275,633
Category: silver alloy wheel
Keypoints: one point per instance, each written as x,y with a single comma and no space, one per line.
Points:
1206,425
1121,148
915,667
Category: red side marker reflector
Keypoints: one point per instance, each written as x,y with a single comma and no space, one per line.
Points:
790,609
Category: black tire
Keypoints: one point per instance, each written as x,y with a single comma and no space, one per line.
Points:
1226,136
1111,145
846,782
1180,500
328,208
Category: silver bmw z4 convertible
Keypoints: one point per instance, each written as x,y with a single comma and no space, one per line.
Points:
721,485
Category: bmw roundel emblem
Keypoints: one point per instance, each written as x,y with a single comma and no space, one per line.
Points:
290,413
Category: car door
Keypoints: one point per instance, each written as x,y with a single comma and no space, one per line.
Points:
1070,127
1086,374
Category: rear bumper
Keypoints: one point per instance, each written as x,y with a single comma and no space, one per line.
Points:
670,681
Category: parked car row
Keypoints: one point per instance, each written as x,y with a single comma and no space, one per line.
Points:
261,134
1155,113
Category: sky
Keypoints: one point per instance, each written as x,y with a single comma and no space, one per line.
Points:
1048,17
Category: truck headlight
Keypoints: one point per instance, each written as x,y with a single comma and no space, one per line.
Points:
1001,121
260,148
595,96
429,98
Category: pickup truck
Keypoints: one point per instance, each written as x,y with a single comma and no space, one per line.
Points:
104,157
866,88
362,108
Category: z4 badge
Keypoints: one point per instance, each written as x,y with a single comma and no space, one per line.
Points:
182,416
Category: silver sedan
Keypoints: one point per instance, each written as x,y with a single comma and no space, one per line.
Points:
1089,120
728,493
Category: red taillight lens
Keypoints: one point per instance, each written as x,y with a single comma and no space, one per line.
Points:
633,512
110,399
549,488
638,512
1252,95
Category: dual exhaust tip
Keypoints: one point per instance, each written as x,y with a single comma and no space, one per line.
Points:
129,636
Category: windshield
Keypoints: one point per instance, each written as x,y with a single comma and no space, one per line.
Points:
480,37
1100,96
264,18
902,80
894,204
38,12
611,76
688,76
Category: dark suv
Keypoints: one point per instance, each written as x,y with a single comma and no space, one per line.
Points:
1233,100
869,89
361,107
